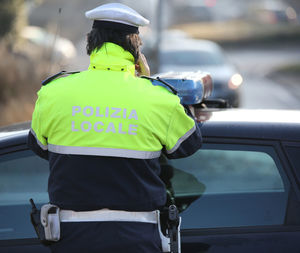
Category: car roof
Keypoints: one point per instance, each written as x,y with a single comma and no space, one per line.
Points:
253,124
255,115
14,129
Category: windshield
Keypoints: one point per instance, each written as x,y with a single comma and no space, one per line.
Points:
200,58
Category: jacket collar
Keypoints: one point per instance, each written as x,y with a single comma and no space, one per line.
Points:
112,57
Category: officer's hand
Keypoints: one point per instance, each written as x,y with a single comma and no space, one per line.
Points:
142,67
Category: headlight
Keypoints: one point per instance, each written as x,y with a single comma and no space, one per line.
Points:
235,81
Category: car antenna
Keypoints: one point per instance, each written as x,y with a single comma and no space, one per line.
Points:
54,41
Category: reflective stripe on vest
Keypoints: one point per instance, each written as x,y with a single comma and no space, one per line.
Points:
104,152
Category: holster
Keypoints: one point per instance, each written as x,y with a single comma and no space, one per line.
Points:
46,222
169,230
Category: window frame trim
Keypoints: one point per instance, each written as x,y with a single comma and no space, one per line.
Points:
284,145
239,230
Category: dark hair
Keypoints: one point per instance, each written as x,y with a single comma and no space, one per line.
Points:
130,42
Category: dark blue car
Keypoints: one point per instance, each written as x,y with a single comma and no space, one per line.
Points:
239,193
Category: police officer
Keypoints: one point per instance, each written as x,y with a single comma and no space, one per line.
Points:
103,131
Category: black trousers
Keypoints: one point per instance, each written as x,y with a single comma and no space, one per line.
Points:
108,237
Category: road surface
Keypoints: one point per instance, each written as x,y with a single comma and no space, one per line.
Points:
258,91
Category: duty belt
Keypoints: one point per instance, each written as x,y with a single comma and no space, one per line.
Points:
47,222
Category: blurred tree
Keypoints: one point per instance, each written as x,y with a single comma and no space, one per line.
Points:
12,17
19,79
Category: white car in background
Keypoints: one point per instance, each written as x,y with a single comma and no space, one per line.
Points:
185,54
60,49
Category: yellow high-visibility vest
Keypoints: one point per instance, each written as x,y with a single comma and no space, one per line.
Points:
108,111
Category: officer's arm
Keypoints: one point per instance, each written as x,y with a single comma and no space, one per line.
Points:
184,137
36,138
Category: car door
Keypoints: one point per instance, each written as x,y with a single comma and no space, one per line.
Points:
23,175
237,196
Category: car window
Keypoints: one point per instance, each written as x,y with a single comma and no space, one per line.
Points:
230,186
23,175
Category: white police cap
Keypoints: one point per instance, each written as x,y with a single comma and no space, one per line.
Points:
116,13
